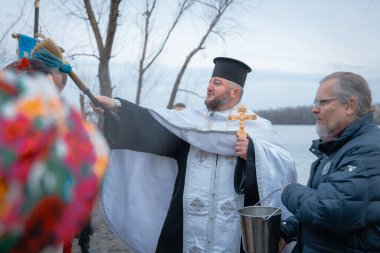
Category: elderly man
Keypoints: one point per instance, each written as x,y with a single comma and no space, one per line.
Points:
338,210
211,173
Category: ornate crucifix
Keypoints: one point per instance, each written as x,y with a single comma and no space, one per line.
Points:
242,117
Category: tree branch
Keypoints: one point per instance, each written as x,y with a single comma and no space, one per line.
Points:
186,4
191,92
14,23
94,25
221,6
112,24
83,54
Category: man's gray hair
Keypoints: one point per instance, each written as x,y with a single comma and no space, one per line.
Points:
352,85
234,85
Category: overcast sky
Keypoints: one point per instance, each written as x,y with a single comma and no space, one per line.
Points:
290,45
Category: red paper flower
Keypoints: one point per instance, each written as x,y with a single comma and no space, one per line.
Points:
10,90
24,65
14,128
76,213
40,225
27,142
78,142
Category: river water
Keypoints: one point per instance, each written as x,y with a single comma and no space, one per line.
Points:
297,139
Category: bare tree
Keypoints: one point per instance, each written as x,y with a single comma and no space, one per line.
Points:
14,23
146,61
218,7
93,18
104,48
150,49
3,36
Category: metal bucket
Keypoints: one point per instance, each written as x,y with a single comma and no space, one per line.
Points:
260,227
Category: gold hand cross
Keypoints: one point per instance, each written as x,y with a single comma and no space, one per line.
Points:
242,117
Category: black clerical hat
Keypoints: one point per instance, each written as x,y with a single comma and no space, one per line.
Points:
231,69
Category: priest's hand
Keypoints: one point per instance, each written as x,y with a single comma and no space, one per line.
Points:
241,147
106,102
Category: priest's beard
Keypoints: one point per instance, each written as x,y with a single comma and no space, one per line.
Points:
217,102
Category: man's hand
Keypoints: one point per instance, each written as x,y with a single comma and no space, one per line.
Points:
241,147
107,102
281,245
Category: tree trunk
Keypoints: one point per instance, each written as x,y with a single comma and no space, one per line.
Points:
104,78
139,87
179,78
105,48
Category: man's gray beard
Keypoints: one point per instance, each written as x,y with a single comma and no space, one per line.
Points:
322,132
217,102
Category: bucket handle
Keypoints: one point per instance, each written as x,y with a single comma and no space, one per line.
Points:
268,217
268,196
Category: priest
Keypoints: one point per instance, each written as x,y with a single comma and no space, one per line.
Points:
178,178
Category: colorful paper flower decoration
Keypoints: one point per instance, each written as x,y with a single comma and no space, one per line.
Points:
51,165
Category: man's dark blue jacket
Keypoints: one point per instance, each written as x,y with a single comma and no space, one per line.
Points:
339,209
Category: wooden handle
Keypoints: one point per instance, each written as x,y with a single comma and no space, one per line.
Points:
85,90
16,35
77,81
88,93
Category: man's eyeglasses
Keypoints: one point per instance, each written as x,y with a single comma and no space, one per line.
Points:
318,102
